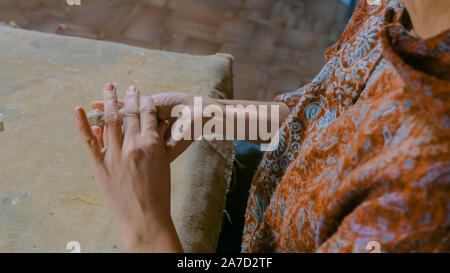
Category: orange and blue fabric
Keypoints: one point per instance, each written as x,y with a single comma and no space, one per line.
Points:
364,154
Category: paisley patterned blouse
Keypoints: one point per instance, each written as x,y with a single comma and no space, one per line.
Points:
364,155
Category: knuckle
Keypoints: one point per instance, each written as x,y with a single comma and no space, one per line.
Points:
132,153
149,129
112,118
152,144
129,113
90,141
145,147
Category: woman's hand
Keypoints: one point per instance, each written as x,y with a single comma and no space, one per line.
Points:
165,102
133,170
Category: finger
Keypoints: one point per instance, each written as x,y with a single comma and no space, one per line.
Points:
149,121
131,124
88,137
98,132
105,138
100,105
113,123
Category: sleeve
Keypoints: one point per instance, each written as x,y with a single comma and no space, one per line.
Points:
412,220
292,98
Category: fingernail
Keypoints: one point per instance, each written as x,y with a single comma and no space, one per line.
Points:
109,86
78,112
132,89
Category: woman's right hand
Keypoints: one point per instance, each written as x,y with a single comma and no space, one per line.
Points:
133,170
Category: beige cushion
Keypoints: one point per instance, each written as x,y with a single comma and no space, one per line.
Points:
48,195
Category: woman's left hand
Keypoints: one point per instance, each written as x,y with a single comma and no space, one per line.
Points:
132,168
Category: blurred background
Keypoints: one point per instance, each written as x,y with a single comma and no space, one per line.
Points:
278,45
